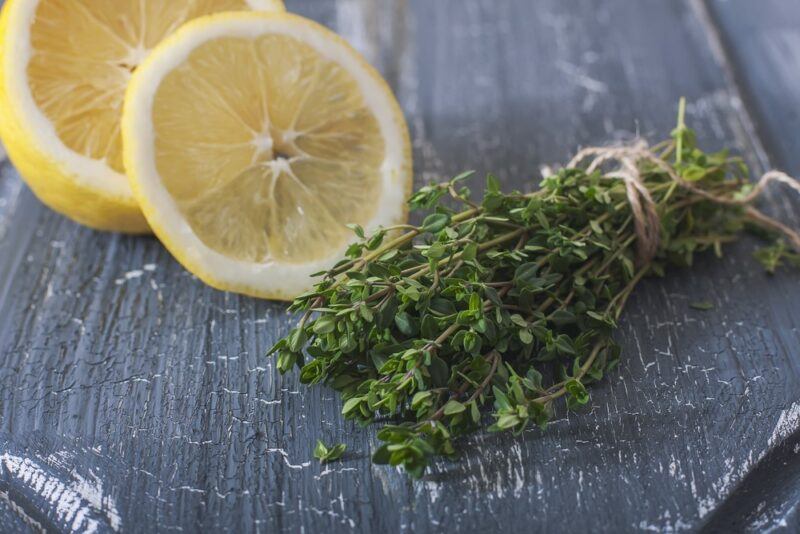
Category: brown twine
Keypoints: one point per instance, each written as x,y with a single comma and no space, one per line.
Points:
647,223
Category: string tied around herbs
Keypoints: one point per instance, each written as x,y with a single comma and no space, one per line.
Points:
647,222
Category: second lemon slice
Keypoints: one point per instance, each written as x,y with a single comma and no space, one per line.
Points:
253,139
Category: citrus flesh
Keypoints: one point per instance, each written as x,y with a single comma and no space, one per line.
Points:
253,140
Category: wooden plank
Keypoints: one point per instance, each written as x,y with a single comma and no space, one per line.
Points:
153,390
762,41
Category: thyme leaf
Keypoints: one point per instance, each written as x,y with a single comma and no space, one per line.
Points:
326,454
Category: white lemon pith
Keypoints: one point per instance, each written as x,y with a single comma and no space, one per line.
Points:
64,70
253,139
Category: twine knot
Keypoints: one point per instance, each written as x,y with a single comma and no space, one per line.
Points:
647,223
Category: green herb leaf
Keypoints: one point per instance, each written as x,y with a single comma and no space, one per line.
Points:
435,222
357,230
453,407
703,305
328,454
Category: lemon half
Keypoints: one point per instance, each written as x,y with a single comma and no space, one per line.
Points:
64,69
253,139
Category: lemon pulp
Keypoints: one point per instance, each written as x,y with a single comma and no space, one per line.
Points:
267,162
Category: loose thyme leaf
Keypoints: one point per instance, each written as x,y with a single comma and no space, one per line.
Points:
325,454
489,316
320,451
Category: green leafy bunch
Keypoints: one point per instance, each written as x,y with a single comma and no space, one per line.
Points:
490,313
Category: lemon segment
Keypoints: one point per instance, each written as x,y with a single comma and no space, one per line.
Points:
253,139
64,69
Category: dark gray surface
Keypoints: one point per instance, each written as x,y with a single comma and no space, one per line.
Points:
763,40
134,398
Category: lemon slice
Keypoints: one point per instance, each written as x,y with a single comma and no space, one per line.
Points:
64,68
253,139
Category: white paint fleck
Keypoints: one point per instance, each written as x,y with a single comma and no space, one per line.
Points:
580,76
130,275
788,423
664,523
190,489
329,471
434,490
74,502
285,456
673,468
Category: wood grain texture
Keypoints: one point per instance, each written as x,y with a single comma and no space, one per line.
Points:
134,398
762,42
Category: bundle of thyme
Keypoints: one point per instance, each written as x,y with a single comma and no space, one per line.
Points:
492,313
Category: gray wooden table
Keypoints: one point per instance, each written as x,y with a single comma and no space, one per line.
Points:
134,398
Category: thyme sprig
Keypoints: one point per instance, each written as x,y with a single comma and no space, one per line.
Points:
494,313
